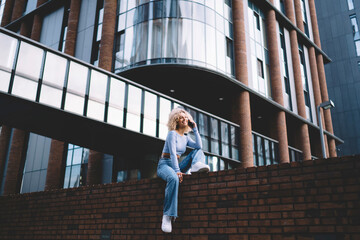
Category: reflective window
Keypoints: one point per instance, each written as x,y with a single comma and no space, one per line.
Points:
259,52
305,82
165,108
150,109
36,162
193,32
350,4
98,32
76,88
53,80
214,136
97,95
116,102
285,69
304,17
225,151
8,47
27,71
76,166
133,108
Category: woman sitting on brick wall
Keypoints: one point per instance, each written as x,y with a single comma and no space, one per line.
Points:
169,169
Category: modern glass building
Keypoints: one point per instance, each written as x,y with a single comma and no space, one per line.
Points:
86,87
340,37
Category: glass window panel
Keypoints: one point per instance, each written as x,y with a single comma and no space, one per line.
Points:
215,146
35,177
51,96
116,102
165,108
200,1
29,61
224,132
170,38
5,80
213,163
55,69
199,12
129,42
357,46
350,4
203,124
225,150
221,51
98,85
96,110
210,4
205,142
99,32
210,46
77,79
260,151
170,8
185,9
133,108
235,153
214,128
185,39
25,188
42,180
75,176
130,18
156,35
77,156
219,6
123,6
199,39
25,88
119,50
67,177
220,23
7,49
141,36
74,104
222,164
121,22
69,157
210,17
150,114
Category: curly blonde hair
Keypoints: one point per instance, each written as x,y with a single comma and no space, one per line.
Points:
174,117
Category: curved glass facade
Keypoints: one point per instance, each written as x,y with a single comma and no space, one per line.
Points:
197,32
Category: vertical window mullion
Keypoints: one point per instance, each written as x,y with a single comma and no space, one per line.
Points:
16,58
41,76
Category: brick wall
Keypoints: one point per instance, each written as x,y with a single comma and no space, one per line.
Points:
312,200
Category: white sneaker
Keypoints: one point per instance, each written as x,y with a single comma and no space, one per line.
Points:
166,224
200,167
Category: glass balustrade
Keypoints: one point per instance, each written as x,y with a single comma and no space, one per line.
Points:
34,72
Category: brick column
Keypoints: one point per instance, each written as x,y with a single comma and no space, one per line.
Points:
15,166
57,157
316,87
242,111
37,23
322,78
276,86
4,146
72,27
303,130
105,62
18,9
56,165
94,168
7,12
298,14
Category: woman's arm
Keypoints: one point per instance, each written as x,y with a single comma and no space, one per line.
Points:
171,141
197,144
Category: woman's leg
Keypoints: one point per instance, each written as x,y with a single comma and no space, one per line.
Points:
196,155
168,174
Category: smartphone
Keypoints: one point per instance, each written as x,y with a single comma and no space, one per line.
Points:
190,124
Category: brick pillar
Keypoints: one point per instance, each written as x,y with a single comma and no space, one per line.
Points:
316,87
18,9
72,27
242,111
322,78
4,146
15,165
25,29
37,23
276,86
7,12
303,130
56,165
94,168
298,15
57,157
105,62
